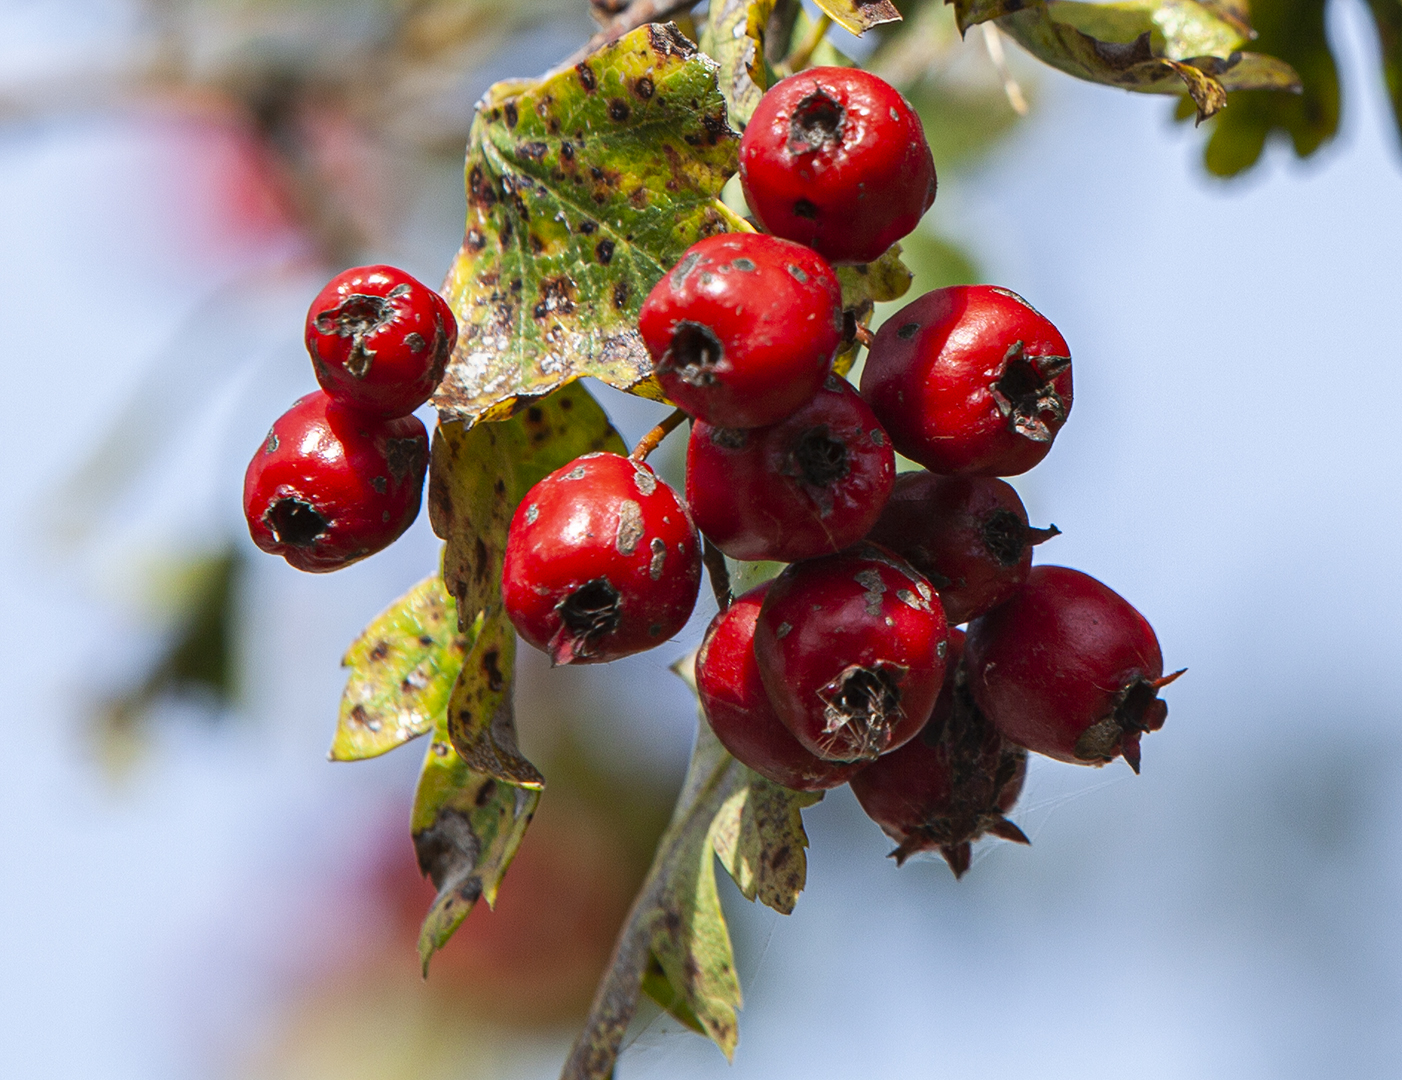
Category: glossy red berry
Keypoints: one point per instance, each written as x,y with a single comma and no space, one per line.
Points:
1069,669
967,534
809,485
738,708
835,158
602,561
852,648
970,379
744,328
949,785
379,339
331,485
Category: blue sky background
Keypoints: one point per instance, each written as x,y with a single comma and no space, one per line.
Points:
1231,467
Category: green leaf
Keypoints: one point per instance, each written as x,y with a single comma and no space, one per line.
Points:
478,474
859,16
403,667
583,190
466,829
734,37
677,926
1148,46
863,287
1387,15
481,720
1292,30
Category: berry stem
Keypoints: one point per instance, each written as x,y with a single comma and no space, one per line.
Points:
798,60
649,442
863,335
718,572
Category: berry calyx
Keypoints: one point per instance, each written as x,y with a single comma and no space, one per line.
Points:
331,485
970,380
809,485
949,785
1069,669
836,158
602,561
738,708
743,330
379,339
852,649
968,535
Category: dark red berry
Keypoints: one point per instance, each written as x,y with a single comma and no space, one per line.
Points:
967,534
738,709
379,339
744,328
835,158
602,561
950,784
851,648
970,379
809,485
332,485
1067,668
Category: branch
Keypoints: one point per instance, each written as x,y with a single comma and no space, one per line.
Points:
638,13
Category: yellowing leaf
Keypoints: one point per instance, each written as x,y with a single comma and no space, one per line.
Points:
582,191
734,38
863,286
403,667
466,829
859,16
481,721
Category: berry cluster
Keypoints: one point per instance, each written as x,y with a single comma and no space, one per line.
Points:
341,473
849,666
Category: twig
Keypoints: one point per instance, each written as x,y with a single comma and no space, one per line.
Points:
864,335
648,443
719,574
638,13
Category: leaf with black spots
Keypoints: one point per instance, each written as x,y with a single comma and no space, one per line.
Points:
859,16
403,667
481,719
583,190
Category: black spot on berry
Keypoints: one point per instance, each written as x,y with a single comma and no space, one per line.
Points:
295,522
908,331
805,209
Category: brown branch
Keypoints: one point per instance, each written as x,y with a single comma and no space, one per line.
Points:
719,574
649,442
638,13
864,335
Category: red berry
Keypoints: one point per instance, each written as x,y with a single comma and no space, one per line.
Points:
809,485
949,785
379,339
835,158
738,709
602,561
332,485
968,535
744,328
1067,668
851,648
970,379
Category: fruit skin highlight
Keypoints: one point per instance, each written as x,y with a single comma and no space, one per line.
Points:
1069,669
379,339
949,785
968,535
852,650
836,158
737,705
331,485
970,380
602,561
809,485
743,330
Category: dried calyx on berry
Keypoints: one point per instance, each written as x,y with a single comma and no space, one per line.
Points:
851,649
968,535
950,785
602,561
809,485
1069,669
743,330
970,380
